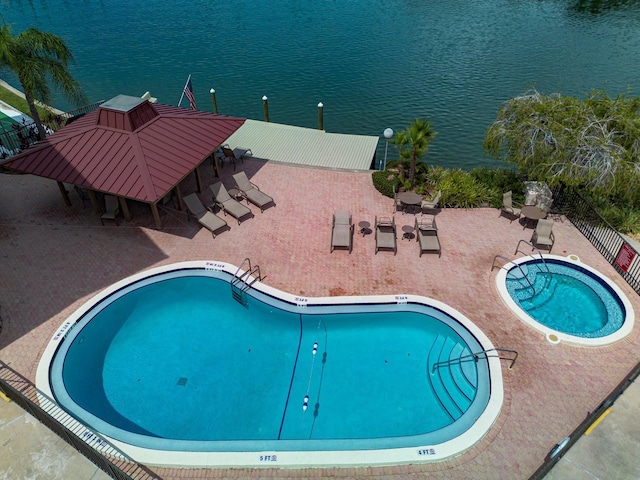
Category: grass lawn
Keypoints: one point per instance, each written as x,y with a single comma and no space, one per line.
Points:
19,103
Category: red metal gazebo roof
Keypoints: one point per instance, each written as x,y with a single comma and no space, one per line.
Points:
128,147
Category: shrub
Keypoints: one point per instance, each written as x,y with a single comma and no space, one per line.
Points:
385,181
622,218
500,180
461,189
629,222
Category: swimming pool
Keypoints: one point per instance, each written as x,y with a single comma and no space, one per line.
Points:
175,372
566,300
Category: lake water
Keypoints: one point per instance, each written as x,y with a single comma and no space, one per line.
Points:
372,63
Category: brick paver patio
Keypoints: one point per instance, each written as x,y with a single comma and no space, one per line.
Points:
55,257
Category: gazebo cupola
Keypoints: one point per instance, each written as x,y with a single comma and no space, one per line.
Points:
127,113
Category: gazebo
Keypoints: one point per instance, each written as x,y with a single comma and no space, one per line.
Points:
129,148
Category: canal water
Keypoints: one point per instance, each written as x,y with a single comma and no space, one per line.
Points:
374,64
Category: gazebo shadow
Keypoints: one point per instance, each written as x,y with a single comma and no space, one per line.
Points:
58,255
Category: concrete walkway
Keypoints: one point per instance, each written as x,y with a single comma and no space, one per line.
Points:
32,451
610,451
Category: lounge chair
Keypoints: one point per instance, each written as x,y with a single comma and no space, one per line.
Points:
427,235
251,191
112,209
386,234
234,155
342,232
205,217
542,235
431,204
228,205
507,206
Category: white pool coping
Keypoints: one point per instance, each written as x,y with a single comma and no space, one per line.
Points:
555,337
279,459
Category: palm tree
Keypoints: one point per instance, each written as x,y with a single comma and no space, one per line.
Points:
417,136
36,58
400,140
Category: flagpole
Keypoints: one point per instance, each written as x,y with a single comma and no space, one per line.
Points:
183,88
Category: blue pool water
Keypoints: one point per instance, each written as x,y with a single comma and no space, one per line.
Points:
567,298
178,364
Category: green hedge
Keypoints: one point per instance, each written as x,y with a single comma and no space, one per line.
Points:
460,188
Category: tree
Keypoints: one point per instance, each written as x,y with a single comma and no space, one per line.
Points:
38,58
594,142
417,136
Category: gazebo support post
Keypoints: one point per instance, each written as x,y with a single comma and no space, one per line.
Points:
65,194
214,162
125,208
94,201
156,215
178,198
198,178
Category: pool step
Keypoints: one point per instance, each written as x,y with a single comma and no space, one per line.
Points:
238,295
542,296
540,282
454,383
543,293
463,371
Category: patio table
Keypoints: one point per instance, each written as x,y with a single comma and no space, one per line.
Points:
410,200
364,227
408,232
532,212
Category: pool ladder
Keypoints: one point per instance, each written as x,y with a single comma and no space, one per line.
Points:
533,247
240,283
524,275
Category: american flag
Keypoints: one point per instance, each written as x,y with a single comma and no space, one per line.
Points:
188,91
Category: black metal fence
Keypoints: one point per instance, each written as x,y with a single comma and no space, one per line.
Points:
611,244
90,444
16,138
69,117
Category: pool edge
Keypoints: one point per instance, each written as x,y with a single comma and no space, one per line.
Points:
296,459
622,332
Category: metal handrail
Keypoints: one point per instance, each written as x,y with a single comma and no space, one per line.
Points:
246,260
476,357
247,273
533,247
250,274
493,265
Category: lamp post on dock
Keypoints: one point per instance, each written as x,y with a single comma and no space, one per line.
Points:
388,133
320,116
213,100
265,105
